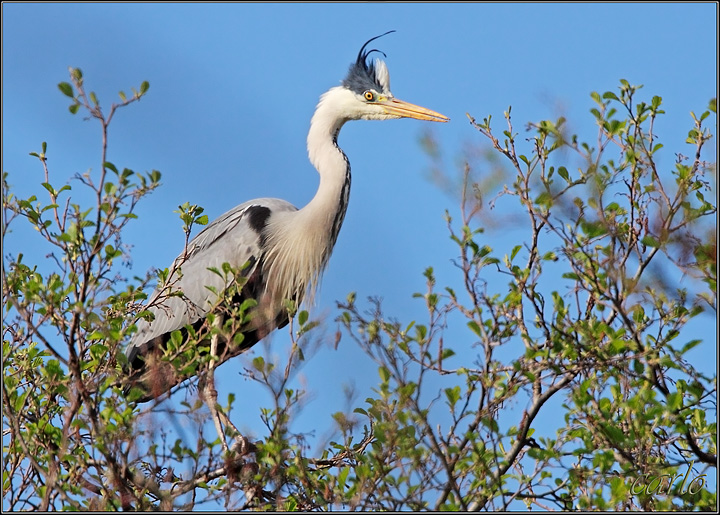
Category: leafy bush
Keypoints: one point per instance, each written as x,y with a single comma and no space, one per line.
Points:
555,375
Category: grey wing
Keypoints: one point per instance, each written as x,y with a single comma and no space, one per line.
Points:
234,238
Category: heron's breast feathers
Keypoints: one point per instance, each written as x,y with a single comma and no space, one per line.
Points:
297,249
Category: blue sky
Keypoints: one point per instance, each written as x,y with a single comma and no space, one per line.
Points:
233,87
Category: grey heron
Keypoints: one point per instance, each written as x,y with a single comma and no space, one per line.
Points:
277,251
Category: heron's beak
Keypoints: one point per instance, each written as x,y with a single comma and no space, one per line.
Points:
397,107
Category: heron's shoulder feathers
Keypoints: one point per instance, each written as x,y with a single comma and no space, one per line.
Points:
234,238
252,213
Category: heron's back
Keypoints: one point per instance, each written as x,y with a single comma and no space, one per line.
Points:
235,238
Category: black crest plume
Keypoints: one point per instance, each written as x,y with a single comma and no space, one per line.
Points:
361,75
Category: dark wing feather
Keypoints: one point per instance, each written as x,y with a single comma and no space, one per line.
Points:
235,238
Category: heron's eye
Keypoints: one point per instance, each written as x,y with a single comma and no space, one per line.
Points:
369,96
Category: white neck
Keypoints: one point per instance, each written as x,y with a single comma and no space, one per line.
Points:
300,243
330,162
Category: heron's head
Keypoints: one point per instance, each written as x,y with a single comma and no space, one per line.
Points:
368,96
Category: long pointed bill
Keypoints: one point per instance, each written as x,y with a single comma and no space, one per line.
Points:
397,107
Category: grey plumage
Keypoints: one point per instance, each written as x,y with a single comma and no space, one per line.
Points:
236,238
281,250
231,238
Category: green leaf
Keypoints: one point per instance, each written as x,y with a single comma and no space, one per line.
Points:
20,401
144,87
544,199
616,437
384,374
109,188
302,317
605,405
97,350
690,345
638,366
342,477
66,89
110,166
650,241
475,328
453,395
111,252
562,172
609,95
176,338
594,229
447,353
